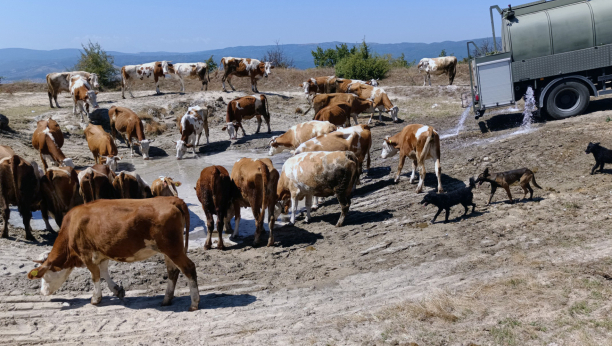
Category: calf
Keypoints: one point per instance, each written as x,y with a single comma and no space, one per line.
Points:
58,82
419,143
299,134
601,155
130,73
82,94
165,186
19,187
48,140
129,185
438,66
216,192
97,183
241,67
379,99
198,70
122,231
318,174
357,105
192,124
60,192
102,146
246,107
127,124
256,181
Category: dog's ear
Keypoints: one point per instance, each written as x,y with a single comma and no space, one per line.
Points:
486,171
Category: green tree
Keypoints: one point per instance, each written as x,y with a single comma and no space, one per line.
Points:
331,56
212,65
399,62
442,53
94,59
363,64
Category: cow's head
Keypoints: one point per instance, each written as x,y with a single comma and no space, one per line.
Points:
423,64
373,82
267,66
181,148
232,130
165,64
68,162
144,148
393,112
310,86
92,98
171,185
93,80
111,161
52,276
388,148
275,148
281,207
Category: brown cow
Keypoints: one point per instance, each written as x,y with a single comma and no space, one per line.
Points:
127,124
419,143
48,140
246,107
438,66
130,73
129,185
342,84
122,231
241,67
299,134
6,151
378,97
18,186
97,183
60,192
339,113
165,186
60,81
358,105
216,191
256,181
102,146
83,95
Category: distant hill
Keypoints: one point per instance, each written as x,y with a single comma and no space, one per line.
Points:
19,63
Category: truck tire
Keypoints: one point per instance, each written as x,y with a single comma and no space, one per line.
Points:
567,99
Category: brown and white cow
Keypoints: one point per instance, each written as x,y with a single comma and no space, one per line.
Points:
96,183
256,181
102,146
48,140
122,231
343,85
317,174
438,66
244,67
318,85
125,122
60,192
357,139
165,186
245,108
129,185
191,126
129,74
19,186
83,95
196,70
6,151
419,143
357,105
299,134
216,191
378,97
60,81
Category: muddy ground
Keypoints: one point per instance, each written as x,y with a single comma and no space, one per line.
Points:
530,273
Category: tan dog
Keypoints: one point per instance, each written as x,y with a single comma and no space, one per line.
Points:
505,179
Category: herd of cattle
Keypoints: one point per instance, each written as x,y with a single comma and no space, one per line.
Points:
104,214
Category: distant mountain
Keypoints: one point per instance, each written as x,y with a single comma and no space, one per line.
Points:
19,63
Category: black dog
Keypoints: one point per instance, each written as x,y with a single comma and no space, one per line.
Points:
463,196
601,154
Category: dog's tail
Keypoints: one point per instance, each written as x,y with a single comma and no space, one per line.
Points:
534,182
473,183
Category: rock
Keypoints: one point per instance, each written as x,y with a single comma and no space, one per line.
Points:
486,158
4,122
71,128
487,243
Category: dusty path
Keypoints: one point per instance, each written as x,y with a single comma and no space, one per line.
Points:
532,273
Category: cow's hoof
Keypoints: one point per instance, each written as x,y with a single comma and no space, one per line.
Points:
194,308
307,220
120,292
220,247
96,300
232,238
207,246
396,180
269,131
167,302
30,238
4,235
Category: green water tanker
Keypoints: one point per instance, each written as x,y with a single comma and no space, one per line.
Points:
562,49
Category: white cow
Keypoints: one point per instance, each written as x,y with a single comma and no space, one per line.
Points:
60,81
129,73
83,95
438,66
194,70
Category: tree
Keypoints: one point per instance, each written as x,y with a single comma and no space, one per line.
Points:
330,57
442,53
212,65
486,47
95,60
278,57
399,62
362,64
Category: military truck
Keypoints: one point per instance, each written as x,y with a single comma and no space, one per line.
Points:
562,49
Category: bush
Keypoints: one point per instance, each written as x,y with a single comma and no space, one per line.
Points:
400,62
95,60
363,65
330,57
278,57
212,65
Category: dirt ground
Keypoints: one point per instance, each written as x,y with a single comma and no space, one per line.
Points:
530,273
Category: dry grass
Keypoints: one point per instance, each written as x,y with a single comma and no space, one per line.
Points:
23,86
22,118
153,127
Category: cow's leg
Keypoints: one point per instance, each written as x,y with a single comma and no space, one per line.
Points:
26,215
173,274
380,115
294,205
55,99
236,211
308,202
229,81
44,162
402,158
345,203
371,116
6,214
223,81
258,123
271,222
206,130
95,277
439,175
220,215
117,290
355,120
188,268
429,78
44,212
130,89
255,201
209,229
315,204
421,177
425,79
157,86
182,85
197,142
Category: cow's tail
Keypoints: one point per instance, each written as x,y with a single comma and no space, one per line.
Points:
124,77
222,63
348,178
14,169
452,72
50,90
185,211
267,105
265,173
427,146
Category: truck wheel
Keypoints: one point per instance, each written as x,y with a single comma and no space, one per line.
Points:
567,99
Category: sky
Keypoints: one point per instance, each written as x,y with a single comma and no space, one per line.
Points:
132,26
